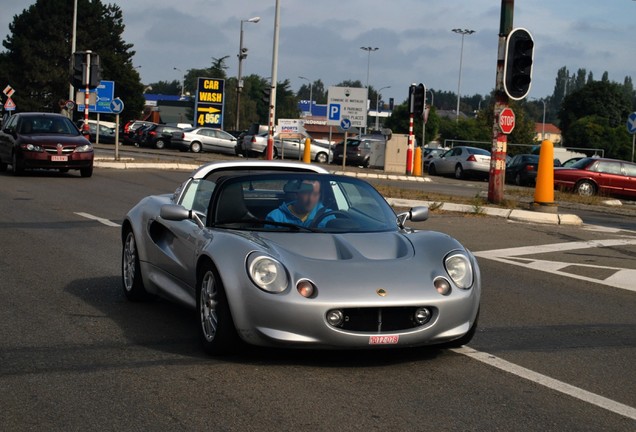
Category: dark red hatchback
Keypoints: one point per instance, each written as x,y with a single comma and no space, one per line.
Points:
590,176
44,140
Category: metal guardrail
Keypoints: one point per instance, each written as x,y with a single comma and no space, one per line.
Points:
450,143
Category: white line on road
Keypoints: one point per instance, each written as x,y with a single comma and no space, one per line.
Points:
551,383
106,222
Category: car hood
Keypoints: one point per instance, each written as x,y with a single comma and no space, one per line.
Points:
53,139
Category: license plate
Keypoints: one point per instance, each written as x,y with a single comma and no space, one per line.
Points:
384,340
59,158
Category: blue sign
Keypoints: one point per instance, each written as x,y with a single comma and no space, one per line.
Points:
631,123
345,124
334,111
116,106
104,94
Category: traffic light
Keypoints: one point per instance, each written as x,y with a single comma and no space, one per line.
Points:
78,73
78,69
267,91
518,63
418,94
96,72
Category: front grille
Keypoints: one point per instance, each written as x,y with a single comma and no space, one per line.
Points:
65,150
383,319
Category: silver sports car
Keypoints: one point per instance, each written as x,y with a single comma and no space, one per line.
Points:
286,254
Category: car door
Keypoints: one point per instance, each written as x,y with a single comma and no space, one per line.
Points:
609,176
227,142
208,139
446,164
629,180
7,139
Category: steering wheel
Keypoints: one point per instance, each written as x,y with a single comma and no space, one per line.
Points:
336,213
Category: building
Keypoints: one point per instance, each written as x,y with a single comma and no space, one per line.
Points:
168,108
551,133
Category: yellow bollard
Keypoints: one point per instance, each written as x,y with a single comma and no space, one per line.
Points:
544,189
417,162
307,151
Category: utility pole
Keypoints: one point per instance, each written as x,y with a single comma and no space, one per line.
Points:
499,139
242,55
272,95
71,95
463,32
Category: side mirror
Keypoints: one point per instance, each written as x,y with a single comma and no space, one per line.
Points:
416,214
174,212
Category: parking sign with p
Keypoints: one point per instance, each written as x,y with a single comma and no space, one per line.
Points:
334,112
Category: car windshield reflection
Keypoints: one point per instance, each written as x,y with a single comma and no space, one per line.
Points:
299,203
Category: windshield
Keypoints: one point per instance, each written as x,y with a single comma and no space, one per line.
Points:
47,125
300,203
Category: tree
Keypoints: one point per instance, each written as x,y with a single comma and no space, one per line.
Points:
597,110
317,92
37,57
398,122
605,77
166,87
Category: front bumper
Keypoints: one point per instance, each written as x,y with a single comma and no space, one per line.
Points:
46,160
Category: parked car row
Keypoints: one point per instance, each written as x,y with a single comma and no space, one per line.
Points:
256,146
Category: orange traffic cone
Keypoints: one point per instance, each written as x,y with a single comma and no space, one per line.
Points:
544,189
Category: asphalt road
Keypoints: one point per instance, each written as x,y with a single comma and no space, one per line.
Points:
555,349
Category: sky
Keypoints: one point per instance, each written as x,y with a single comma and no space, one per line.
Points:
321,39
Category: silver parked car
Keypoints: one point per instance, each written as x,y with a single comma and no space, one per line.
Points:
205,139
285,254
256,146
462,161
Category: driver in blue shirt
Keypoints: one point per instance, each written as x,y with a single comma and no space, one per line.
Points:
304,209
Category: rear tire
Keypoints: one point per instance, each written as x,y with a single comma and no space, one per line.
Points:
431,169
216,327
518,181
131,278
585,188
459,172
195,147
3,166
160,144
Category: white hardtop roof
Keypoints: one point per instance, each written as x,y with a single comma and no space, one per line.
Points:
206,169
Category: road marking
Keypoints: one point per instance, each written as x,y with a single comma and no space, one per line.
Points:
106,222
551,383
619,277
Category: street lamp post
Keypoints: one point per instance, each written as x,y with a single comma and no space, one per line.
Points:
377,110
369,50
239,82
424,119
311,94
463,32
182,82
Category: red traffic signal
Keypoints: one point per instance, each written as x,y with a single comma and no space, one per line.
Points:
518,63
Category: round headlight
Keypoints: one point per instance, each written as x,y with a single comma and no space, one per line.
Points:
460,271
267,273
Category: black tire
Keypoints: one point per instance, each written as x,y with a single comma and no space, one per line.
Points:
365,163
274,153
195,147
3,166
459,172
86,172
214,320
63,170
464,340
18,169
132,281
431,169
518,180
585,188
160,144
322,158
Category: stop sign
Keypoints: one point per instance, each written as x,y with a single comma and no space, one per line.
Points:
507,120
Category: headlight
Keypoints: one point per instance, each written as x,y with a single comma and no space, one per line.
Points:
83,148
32,147
460,270
267,273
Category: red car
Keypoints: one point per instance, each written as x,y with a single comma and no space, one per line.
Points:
591,176
44,140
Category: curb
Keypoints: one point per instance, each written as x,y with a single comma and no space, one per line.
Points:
512,215
376,176
142,165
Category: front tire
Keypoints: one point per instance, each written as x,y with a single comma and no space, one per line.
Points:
18,169
87,172
431,169
132,280
322,158
160,144
216,328
3,166
585,188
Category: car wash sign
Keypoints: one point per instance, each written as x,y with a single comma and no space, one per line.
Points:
209,103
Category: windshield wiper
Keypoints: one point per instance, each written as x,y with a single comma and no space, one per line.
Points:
263,222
